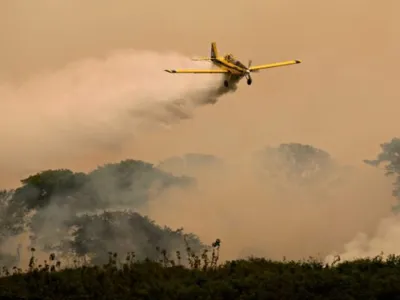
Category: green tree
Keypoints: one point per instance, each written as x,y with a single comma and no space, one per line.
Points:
38,190
10,225
55,198
126,182
130,182
123,232
11,218
390,158
295,162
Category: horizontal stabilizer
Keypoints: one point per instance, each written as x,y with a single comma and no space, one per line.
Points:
193,71
202,59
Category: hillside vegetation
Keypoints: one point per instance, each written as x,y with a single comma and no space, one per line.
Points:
99,246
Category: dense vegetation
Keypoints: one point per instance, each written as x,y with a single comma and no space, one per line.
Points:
101,247
86,215
241,279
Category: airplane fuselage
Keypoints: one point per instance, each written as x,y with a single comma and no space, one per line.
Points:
233,67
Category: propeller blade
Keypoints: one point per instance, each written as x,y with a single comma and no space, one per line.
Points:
250,61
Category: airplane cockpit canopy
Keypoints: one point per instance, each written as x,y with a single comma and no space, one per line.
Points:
229,57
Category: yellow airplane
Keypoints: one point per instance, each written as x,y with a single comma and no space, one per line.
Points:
230,66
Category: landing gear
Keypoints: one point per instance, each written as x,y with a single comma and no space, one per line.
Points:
226,84
249,81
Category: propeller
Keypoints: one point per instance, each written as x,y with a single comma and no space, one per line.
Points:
248,72
248,67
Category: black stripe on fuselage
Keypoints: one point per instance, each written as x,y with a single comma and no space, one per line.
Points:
221,63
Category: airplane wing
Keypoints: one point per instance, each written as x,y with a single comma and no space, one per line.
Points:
194,71
274,65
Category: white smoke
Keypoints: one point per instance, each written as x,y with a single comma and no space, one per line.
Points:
384,241
97,103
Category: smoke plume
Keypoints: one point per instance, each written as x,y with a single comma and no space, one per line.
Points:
275,216
381,241
94,104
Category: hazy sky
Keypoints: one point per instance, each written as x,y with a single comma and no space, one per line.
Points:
343,97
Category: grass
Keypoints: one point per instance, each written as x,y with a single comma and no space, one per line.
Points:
200,276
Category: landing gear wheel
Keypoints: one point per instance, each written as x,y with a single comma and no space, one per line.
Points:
249,81
226,83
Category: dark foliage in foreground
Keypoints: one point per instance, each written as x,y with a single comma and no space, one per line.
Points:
241,279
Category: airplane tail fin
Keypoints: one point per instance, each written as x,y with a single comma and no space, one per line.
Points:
214,50
213,54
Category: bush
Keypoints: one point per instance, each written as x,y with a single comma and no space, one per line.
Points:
253,278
